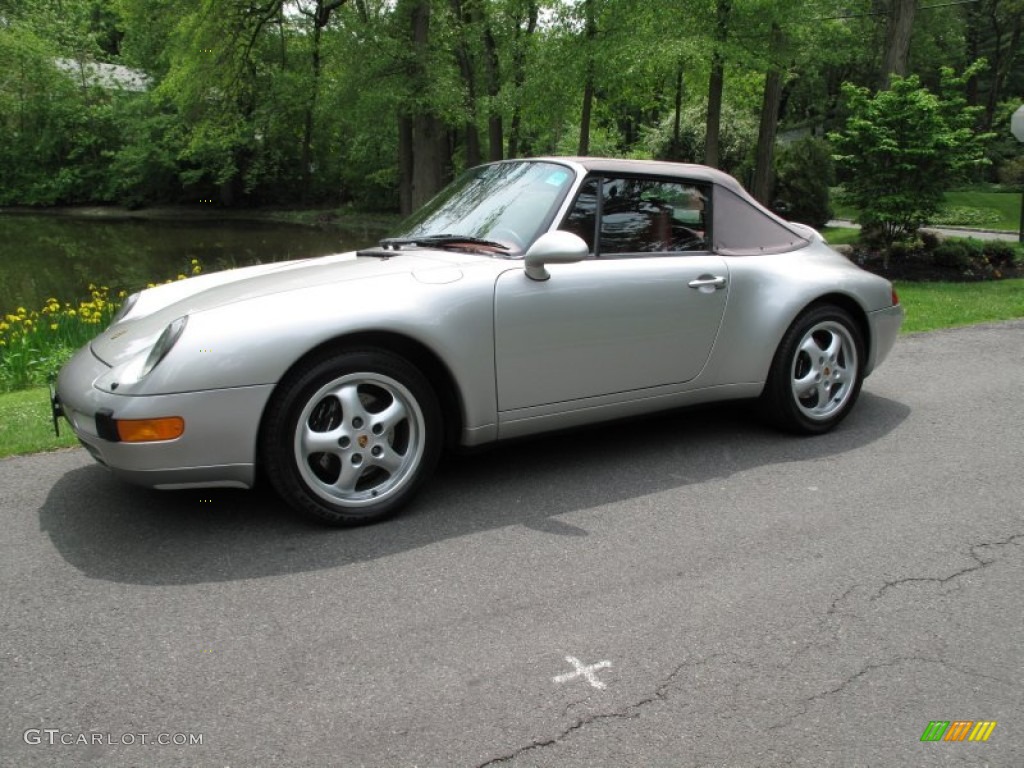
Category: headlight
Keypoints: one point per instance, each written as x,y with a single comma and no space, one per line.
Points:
164,344
127,307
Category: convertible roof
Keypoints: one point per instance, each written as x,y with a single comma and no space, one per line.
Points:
654,168
741,224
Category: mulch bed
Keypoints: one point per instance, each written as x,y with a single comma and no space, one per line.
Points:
922,268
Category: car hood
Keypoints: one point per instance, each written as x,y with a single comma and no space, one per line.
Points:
158,306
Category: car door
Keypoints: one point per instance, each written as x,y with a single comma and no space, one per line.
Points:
642,312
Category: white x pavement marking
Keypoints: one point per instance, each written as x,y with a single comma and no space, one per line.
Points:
583,671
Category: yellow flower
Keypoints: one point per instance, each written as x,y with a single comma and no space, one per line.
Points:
21,310
53,326
194,262
122,294
71,313
92,287
182,277
4,326
197,270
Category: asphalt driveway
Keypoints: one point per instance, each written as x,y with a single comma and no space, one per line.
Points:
687,590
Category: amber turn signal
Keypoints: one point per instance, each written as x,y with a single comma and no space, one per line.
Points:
150,430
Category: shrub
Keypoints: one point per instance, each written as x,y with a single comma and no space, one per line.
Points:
899,143
1000,254
803,174
1011,172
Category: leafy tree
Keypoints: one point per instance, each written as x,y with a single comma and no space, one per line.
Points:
902,147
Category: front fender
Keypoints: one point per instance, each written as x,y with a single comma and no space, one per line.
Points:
257,341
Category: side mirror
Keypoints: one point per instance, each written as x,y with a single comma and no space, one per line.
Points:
556,247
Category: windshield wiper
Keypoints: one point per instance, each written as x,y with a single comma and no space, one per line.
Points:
442,240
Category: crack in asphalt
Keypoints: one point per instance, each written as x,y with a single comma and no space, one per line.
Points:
806,703
849,680
979,564
628,712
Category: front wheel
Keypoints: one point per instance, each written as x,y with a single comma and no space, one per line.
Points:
817,372
350,438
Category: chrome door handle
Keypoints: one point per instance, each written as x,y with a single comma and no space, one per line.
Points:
715,282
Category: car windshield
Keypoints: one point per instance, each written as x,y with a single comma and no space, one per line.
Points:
507,204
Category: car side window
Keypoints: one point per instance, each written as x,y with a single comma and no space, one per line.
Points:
630,215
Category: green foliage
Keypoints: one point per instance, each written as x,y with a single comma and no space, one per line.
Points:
803,176
259,103
901,147
1011,172
34,344
737,139
1004,151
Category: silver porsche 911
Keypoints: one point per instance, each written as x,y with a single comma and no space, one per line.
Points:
530,295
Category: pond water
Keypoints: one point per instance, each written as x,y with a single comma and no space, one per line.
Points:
59,256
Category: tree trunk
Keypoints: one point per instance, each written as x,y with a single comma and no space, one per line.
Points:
321,16
762,186
519,78
715,85
495,129
897,40
405,164
466,69
588,83
306,171
428,135
972,45
1001,67
428,159
423,148
588,101
676,151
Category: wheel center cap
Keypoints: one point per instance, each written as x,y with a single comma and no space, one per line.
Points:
362,440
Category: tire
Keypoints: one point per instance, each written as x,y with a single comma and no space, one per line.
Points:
349,439
817,372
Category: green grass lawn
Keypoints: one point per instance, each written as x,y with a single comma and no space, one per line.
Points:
840,235
25,425
968,208
930,306
1002,208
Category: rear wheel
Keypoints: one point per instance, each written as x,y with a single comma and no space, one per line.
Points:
349,439
817,372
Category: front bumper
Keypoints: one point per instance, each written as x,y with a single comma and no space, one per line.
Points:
218,447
